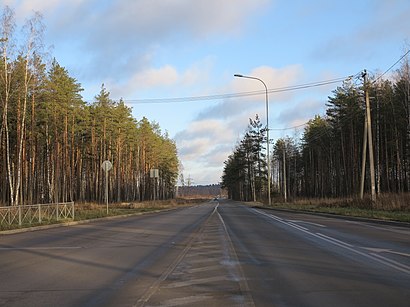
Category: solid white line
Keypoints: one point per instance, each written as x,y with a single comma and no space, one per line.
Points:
282,221
385,250
398,266
268,215
336,240
297,226
397,253
405,267
388,262
306,222
384,229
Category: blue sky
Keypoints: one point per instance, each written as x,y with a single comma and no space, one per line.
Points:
156,49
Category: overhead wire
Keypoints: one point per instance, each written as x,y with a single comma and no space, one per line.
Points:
289,128
259,92
391,67
351,77
233,95
344,120
347,118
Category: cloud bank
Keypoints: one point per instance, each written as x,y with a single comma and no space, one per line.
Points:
212,136
122,37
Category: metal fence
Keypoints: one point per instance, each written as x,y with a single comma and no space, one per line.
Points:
36,214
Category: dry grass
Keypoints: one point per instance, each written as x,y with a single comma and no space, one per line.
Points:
394,202
94,210
385,202
387,207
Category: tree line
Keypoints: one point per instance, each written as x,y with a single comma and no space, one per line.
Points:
53,143
326,160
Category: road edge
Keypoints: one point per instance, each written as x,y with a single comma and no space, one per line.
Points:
73,223
338,216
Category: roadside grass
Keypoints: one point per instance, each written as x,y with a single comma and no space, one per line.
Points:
389,207
88,211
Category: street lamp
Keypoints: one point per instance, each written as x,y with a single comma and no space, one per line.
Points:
267,126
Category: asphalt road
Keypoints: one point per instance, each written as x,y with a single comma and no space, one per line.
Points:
215,254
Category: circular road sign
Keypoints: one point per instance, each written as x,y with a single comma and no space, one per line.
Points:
106,165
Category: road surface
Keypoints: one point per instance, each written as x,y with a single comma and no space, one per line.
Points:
219,253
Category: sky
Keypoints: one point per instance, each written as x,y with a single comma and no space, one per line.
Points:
149,52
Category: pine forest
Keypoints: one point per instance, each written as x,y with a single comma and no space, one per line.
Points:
53,143
326,161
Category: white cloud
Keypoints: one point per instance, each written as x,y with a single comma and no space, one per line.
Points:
199,176
154,77
165,77
248,106
201,137
199,18
205,144
210,138
211,128
25,8
191,149
114,35
273,78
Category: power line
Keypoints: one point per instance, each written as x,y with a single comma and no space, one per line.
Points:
234,95
395,63
344,120
289,128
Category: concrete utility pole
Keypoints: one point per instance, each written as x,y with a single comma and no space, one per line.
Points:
364,150
368,129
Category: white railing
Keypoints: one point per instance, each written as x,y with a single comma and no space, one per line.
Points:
36,214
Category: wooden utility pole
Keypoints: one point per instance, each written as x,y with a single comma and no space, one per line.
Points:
368,127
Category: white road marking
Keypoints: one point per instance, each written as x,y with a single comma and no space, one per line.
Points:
385,250
306,222
385,228
388,262
336,240
394,263
297,226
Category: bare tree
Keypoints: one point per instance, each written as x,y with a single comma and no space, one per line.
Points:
7,29
33,30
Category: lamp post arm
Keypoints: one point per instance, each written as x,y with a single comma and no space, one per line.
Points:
267,128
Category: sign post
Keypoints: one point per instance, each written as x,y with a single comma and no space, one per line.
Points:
154,173
106,166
